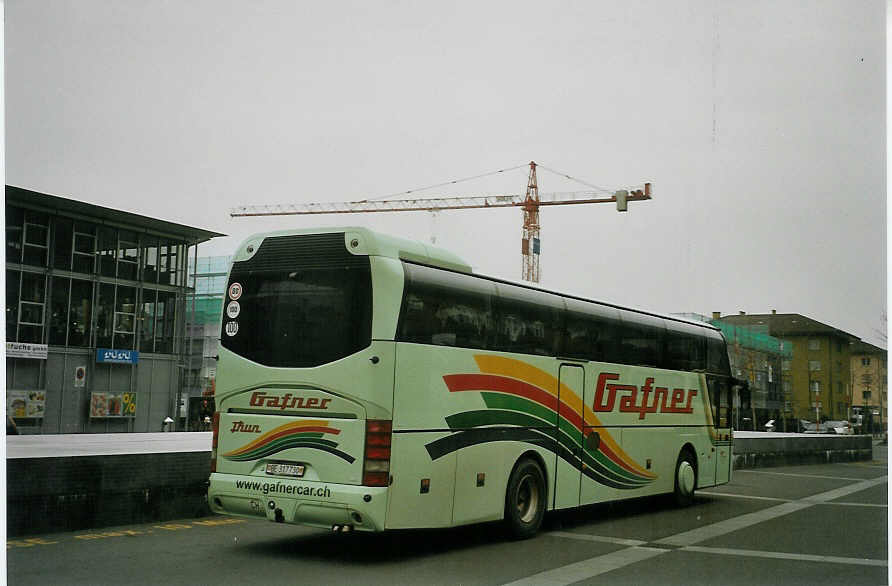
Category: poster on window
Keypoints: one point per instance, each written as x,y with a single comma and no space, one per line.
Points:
112,404
25,403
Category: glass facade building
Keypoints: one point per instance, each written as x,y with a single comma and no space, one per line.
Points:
95,315
207,287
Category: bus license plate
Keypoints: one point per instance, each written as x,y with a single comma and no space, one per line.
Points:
295,470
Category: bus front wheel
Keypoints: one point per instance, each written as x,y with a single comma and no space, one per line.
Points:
685,478
525,499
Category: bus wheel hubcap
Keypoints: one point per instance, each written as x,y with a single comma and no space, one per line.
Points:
527,498
685,477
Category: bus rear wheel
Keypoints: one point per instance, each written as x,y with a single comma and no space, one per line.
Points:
685,478
525,499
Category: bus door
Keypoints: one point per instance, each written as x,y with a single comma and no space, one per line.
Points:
567,477
722,400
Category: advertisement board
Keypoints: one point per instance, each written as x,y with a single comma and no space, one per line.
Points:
112,404
23,350
25,403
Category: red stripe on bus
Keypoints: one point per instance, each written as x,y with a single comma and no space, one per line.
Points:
500,384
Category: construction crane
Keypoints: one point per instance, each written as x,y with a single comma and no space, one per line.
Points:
531,201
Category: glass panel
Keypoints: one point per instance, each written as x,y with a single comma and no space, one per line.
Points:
15,220
62,244
446,309
128,255
591,332
150,259
12,303
87,229
168,264
125,314
107,247
37,234
105,315
528,320
33,287
182,255
31,313
31,334
84,253
147,320
79,313
302,317
59,310
35,255
164,322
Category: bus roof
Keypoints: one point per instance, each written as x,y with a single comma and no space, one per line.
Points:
378,244
374,244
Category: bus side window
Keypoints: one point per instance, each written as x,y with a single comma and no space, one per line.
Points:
445,309
685,347
717,354
591,332
529,322
643,339
722,400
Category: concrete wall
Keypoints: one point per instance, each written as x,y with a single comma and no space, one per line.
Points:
45,495
760,450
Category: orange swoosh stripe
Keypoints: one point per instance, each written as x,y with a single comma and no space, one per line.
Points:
538,377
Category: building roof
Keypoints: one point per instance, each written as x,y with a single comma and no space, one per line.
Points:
61,205
786,324
862,347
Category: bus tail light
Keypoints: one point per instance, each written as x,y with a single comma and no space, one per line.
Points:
216,428
376,465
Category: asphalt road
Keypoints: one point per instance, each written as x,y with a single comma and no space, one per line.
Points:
824,524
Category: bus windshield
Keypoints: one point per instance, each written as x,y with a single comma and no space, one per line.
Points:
301,317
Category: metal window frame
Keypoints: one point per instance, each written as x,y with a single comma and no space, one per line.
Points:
25,244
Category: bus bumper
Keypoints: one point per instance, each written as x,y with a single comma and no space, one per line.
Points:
317,504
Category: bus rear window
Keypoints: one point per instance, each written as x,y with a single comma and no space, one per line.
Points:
300,316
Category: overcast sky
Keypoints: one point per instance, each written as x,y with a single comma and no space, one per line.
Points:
761,125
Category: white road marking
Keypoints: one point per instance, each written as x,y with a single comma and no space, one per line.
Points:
591,567
743,521
733,524
598,538
798,475
846,490
802,557
685,540
775,499
745,496
855,505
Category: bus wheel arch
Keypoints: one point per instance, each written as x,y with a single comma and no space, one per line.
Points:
685,476
526,496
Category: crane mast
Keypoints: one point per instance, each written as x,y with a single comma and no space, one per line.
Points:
530,203
530,243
